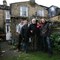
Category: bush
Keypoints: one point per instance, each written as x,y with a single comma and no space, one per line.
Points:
56,40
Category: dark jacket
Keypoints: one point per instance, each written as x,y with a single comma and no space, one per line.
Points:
32,28
24,32
45,29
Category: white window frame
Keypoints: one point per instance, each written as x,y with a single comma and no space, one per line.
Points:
21,11
7,14
40,13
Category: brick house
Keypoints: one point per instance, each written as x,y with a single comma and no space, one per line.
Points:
26,10
5,17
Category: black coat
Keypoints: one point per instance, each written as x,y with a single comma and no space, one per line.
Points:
24,32
45,29
32,28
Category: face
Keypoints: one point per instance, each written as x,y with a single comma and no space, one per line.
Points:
43,20
25,22
33,21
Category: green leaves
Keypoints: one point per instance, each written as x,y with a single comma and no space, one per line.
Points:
56,39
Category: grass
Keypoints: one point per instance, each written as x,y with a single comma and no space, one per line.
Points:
32,56
37,56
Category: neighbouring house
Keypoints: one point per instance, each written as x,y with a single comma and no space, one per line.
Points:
54,11
5,17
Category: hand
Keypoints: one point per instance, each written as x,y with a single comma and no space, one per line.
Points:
31,31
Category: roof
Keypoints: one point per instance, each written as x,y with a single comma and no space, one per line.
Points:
3,7
28,2
54,6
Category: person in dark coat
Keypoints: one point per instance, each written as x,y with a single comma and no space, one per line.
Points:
24,32
32,34
45,32
38,38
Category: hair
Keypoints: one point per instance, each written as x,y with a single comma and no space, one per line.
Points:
33,19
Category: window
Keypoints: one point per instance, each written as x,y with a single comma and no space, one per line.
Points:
24,11
40,13
52,11
7,14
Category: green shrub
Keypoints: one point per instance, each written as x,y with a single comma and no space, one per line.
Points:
56,40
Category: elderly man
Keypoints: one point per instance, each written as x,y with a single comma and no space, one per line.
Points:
32,34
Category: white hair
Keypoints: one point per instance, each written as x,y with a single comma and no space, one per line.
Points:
33,19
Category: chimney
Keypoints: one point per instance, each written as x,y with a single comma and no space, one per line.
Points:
4,2
32,3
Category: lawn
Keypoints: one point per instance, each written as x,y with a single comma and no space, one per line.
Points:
32,56
37,56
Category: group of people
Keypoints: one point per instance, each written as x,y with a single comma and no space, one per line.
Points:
35,35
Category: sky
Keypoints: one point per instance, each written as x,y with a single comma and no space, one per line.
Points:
47,3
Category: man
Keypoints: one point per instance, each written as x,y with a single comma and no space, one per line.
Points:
18,30
24,32
32,34
45,32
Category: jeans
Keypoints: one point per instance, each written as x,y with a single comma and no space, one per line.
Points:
49,43
25,47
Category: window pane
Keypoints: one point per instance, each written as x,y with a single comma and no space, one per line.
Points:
7,14
23,11
40,13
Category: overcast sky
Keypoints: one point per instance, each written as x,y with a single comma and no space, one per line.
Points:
40,2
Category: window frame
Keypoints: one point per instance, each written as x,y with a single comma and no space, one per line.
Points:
7,14
21,14
40,13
